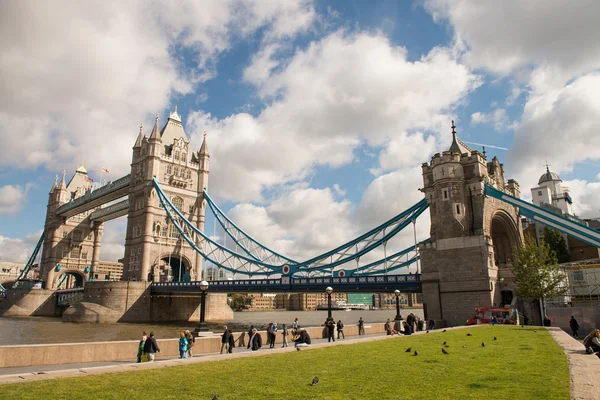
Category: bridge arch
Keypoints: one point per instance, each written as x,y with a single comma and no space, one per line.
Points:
505,236
69,279
174,267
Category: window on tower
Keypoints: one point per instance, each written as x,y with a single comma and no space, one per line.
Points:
169,169
183,156
445,194
177,154
539,192
178,203
188,174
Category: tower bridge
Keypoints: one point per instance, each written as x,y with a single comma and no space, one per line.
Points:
475,223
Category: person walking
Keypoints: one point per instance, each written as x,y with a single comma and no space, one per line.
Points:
191,340
255,341
574,327
330,331
140,353
295,326
151,347
361,326
340,329
431,324
183,345
388,327
231,341
273,334
284,333
269,334
225,340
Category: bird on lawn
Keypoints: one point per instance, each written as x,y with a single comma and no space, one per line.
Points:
468,334
444,330
444,343
495,338
535,331
315,381
464,346
416,353
408,350
446,346
426,331
298,349
215,397
444,351
482,344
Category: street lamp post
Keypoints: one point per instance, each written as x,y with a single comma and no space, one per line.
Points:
329,290
398,319
203,327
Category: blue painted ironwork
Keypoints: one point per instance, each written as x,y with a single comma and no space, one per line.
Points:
111,212
408,283
65,298
62,280
68,209
246,242
31,261
548,218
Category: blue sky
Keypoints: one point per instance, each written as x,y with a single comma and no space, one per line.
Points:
318,113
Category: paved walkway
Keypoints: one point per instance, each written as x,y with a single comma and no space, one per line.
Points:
43,372
584,368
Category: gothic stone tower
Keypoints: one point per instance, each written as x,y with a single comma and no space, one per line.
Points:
153,247
74,242
466,263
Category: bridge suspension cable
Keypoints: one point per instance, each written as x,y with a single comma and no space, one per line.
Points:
31,261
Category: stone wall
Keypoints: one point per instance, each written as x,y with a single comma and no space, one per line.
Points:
29,302
587,317
68,353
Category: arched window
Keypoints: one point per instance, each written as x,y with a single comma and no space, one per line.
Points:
178,203
188,174
169,170
183,156
177,154
176,171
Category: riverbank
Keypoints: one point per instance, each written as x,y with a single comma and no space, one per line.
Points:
370,369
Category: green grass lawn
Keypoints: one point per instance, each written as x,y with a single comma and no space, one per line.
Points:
521,364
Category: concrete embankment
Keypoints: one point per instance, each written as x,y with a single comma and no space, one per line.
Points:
72,353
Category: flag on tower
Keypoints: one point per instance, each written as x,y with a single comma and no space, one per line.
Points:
105,170
87,178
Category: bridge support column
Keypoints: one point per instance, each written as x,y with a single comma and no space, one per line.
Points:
95,250
146,248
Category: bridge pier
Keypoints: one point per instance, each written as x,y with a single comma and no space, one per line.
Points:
29,303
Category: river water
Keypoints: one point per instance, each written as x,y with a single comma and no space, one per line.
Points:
37,330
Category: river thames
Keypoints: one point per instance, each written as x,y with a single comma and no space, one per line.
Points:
37,330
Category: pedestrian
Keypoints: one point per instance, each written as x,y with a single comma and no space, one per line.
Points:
225,340
273,334
269,334
295,326
592,342
191,340
140,354
151,347
409,325
547,321
419,324
284,333
388,327
231,341
574,327
303,339
431,324
330,331
340,329
183,345
255,341
361,326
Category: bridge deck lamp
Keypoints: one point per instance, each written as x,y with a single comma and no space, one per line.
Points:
398,318
203,327
329,290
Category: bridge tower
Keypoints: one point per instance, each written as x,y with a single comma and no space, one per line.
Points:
71,245
466,263
153,246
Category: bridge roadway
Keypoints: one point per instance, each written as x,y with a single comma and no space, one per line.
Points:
410,283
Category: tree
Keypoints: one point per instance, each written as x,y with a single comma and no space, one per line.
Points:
238,301
537,275
557,243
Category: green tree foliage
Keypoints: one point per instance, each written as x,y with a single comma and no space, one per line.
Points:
537,275
557,244
238,301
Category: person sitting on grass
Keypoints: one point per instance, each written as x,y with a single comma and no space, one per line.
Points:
303,339
592,342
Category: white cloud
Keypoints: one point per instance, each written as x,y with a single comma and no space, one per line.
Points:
586,197
338,190
112,246
13,198
560,37
75,76
323,103
497,118
18,250
560,126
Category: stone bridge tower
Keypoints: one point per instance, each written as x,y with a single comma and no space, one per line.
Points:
466,263
154,249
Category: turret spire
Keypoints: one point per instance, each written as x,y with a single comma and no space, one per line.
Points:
63,185
138,142
204,147
155,132
454,147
